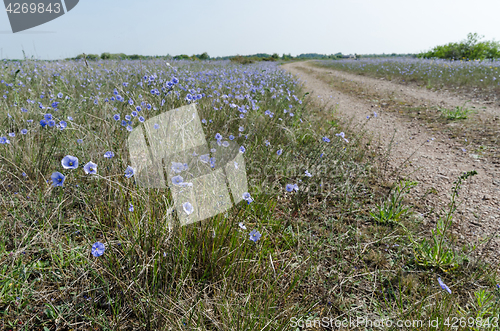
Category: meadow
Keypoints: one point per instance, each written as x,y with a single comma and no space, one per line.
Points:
479,76
323,233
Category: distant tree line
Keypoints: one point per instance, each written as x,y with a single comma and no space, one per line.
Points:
117,56
243,59
469,49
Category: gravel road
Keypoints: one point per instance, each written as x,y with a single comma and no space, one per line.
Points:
435,160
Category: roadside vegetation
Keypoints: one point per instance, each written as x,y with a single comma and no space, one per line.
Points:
469,49
468,125
324,232
482,77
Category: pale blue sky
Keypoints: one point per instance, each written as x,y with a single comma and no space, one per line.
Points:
229,27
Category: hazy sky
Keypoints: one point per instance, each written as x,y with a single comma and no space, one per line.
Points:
230,27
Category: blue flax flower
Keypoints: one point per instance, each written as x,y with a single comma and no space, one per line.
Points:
109,154
177,180
247,197
69,162
255,236
98,249
129,172
188,207
57,179
90,168
444,286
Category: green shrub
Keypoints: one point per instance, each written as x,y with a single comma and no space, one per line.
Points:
181,57
105,56
469,49
242,59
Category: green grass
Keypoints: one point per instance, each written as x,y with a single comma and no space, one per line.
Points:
321,254
459,113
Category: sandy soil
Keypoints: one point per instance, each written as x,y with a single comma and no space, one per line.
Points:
435,160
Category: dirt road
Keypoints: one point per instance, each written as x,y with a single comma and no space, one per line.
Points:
435,160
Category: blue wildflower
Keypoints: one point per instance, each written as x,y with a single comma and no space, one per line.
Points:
255,236
116,117
57,178
188,207
205,158
62,125
69,162
242,149
177,180
279,152
325,139
247,197
178,167
43,123
131,208
98,249
444,286
90,168
51,123
109,154
24,131
129,172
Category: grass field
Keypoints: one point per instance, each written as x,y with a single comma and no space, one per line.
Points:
478,77
345,244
